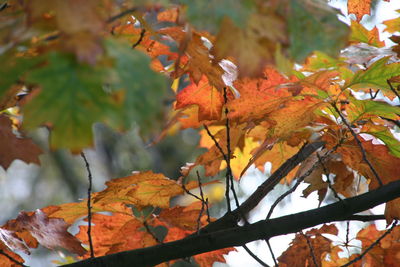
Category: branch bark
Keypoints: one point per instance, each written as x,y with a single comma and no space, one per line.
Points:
231,219
238,236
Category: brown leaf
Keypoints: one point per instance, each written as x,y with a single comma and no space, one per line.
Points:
254,46
51,233
13,147
299,252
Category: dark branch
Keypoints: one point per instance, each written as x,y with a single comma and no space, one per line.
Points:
231,219
89,206
238,236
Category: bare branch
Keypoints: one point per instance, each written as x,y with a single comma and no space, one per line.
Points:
272,252
89,206
240,235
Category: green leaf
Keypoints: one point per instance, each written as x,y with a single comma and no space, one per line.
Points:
364,109
12,69
143,89
383,133
312,28
208,15
375,76
70,101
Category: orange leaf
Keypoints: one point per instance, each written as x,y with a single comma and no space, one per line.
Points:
183,217
205,96
115,233
359,8
140,189
12,147
299,253
208,258
361,34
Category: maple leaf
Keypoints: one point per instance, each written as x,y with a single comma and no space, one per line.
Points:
13,69
80,28
253,47
359,8
70,212
263,93
13,147
359,34
143,89
385,253
312,27
299,253
140,189
182,217
205,96
109,234
385,135
375,76
392,25
71,100
51,233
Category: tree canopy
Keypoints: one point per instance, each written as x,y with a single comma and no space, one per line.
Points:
284,82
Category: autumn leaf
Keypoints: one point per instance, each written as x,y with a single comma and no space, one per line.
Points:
359,34
359,8
110,233
208,99
385,135
299,252
375,76
140,189
392,25
81,28
51,233
385,253
13,147
253,47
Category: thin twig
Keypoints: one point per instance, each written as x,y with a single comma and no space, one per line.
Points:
89,206
272,252
228,148
229,175
228,200
393,90
373,96
300,179
11,258
311,248
254,256
327,177
120,15
142,32
203,201
347,233
364,154
371,246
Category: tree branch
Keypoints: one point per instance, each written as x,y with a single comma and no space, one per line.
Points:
231,219
238,236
